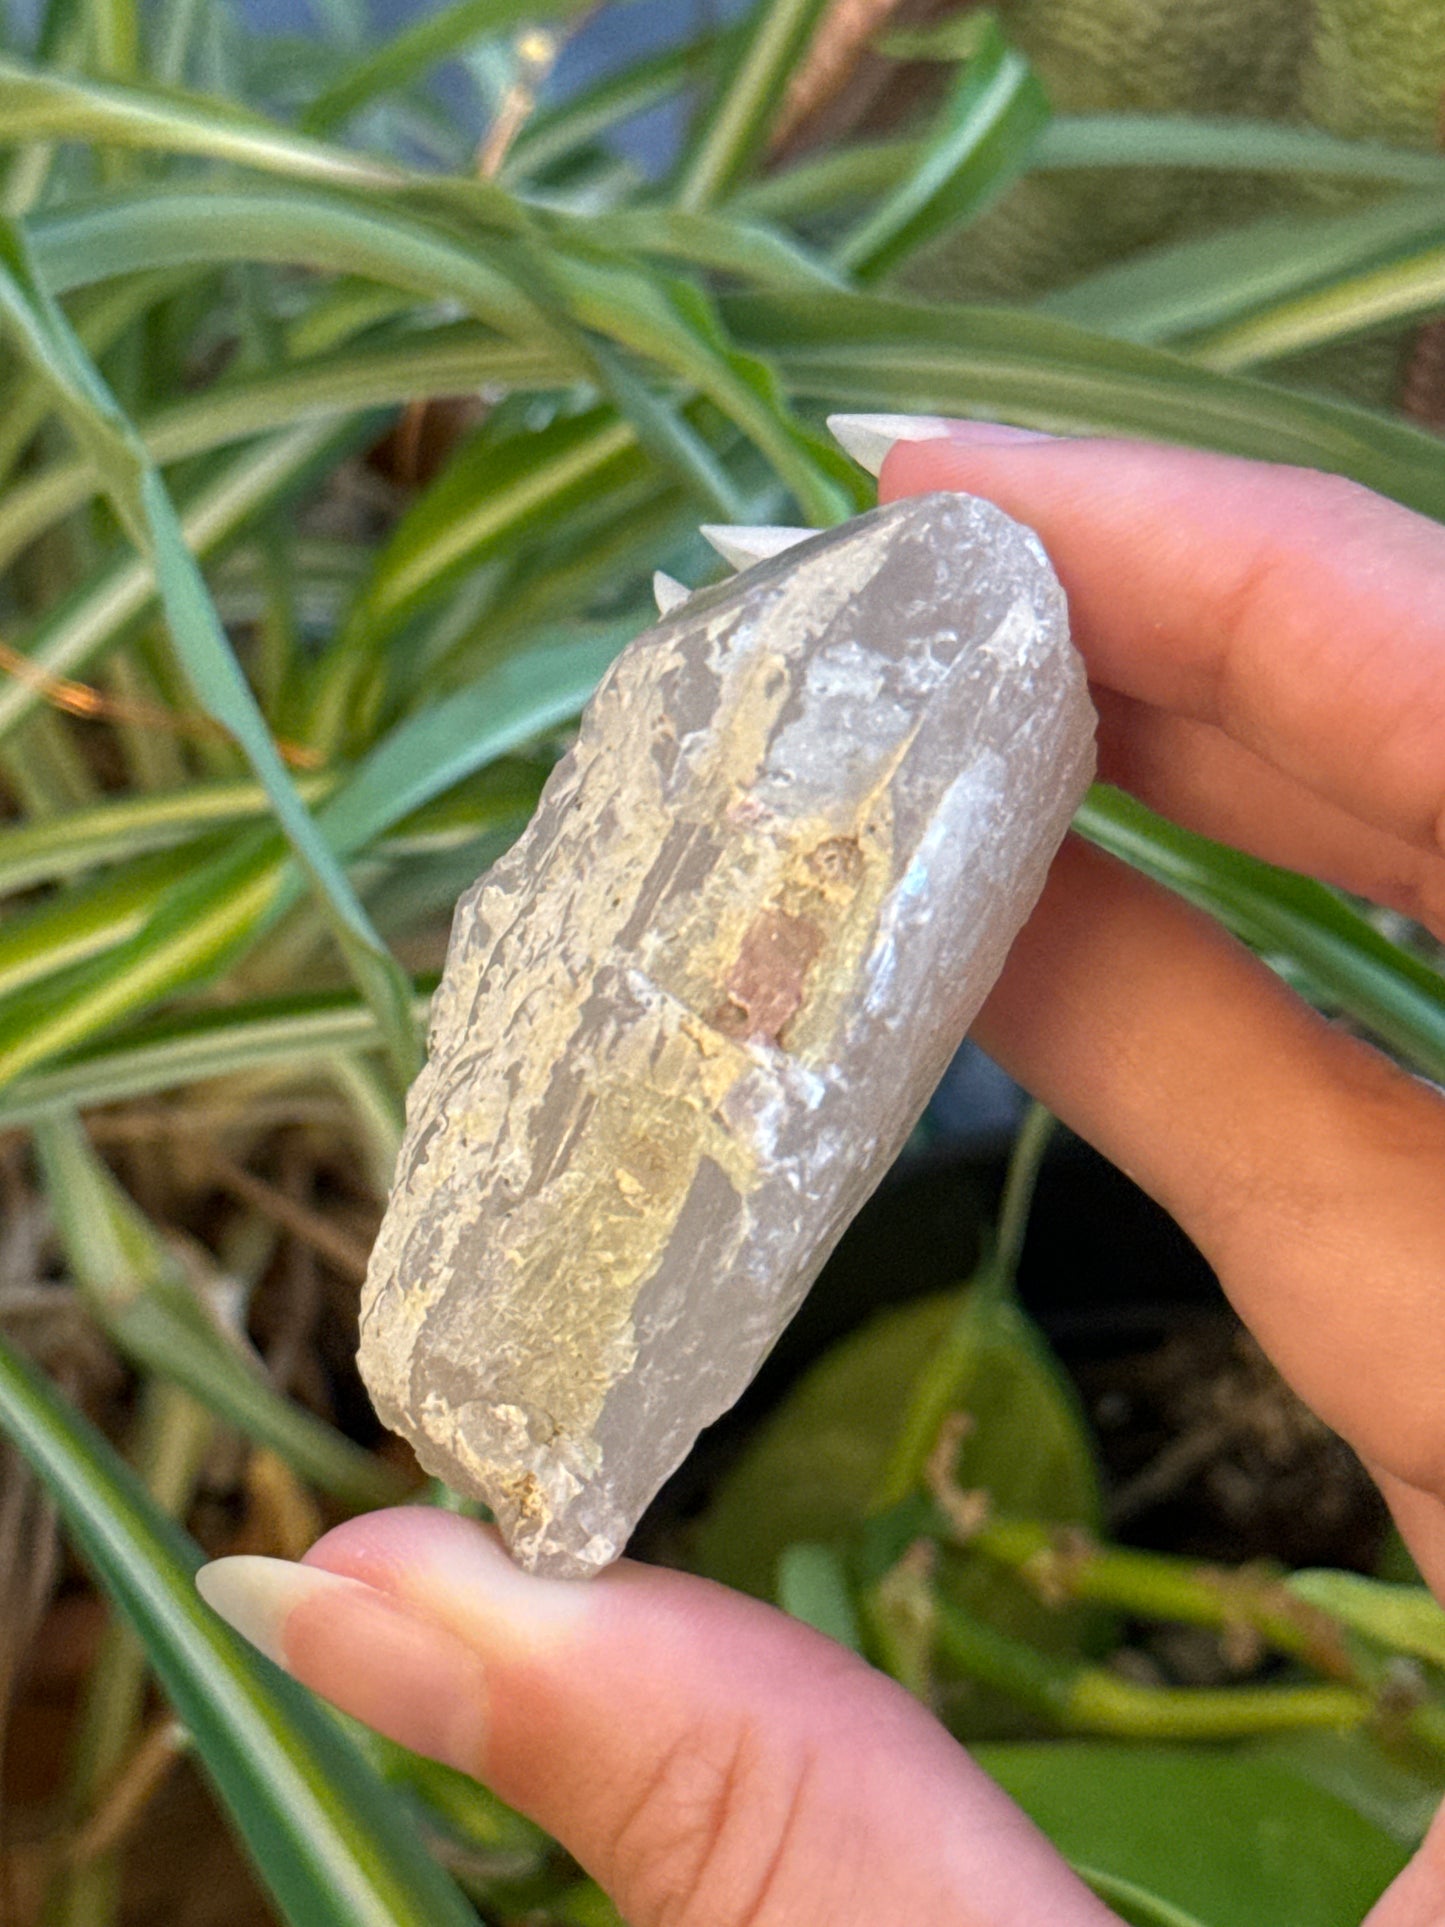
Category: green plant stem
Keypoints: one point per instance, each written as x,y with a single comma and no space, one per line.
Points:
1089,1699
1025,1163
1064,1563
936,1391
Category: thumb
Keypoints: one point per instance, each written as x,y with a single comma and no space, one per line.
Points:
711,1762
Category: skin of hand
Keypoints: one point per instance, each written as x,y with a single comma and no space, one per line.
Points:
1267,651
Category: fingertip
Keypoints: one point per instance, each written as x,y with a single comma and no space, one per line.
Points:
391,1668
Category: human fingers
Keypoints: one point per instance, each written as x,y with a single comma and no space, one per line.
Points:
1297,612
1194,774
711,1762
1307,1168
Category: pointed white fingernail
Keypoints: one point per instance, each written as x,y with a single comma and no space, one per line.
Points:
257,1596
668,592
744,546
868,438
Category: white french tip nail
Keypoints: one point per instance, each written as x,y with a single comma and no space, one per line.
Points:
668,592
743,546
868,438
256,1596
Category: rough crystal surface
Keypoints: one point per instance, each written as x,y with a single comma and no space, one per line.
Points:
691,1016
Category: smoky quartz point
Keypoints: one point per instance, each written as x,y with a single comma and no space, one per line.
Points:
689,1019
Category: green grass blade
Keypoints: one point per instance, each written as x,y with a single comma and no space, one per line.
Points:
435,37
43,941
870,352
437,747
327,1838
1345,960
133,1285
980,145
734,128
135,487
674,324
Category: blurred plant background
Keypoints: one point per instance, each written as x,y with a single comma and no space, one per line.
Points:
354,382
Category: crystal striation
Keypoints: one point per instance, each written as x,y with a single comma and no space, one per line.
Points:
691,1016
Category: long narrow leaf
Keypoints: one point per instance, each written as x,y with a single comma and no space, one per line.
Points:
207,919
734,128
132,1283
980,145
868,352
868,169
331,1843
1175,291
308,227
1411,288
100,609
432,39
1339,952
141,501
303,1034
454,359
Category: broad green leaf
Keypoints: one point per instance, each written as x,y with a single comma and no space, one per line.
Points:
1340,955
978,147
1133,1903
813,1586
1225,1836
872,352
135,487
135,1287
813,1471
732,131
1407,1619
325,1835
1397,1794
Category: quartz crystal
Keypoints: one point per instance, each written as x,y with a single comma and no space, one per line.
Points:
689,1019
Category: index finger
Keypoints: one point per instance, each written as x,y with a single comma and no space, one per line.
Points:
1298,612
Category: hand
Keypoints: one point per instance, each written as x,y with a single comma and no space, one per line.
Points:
1267,648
